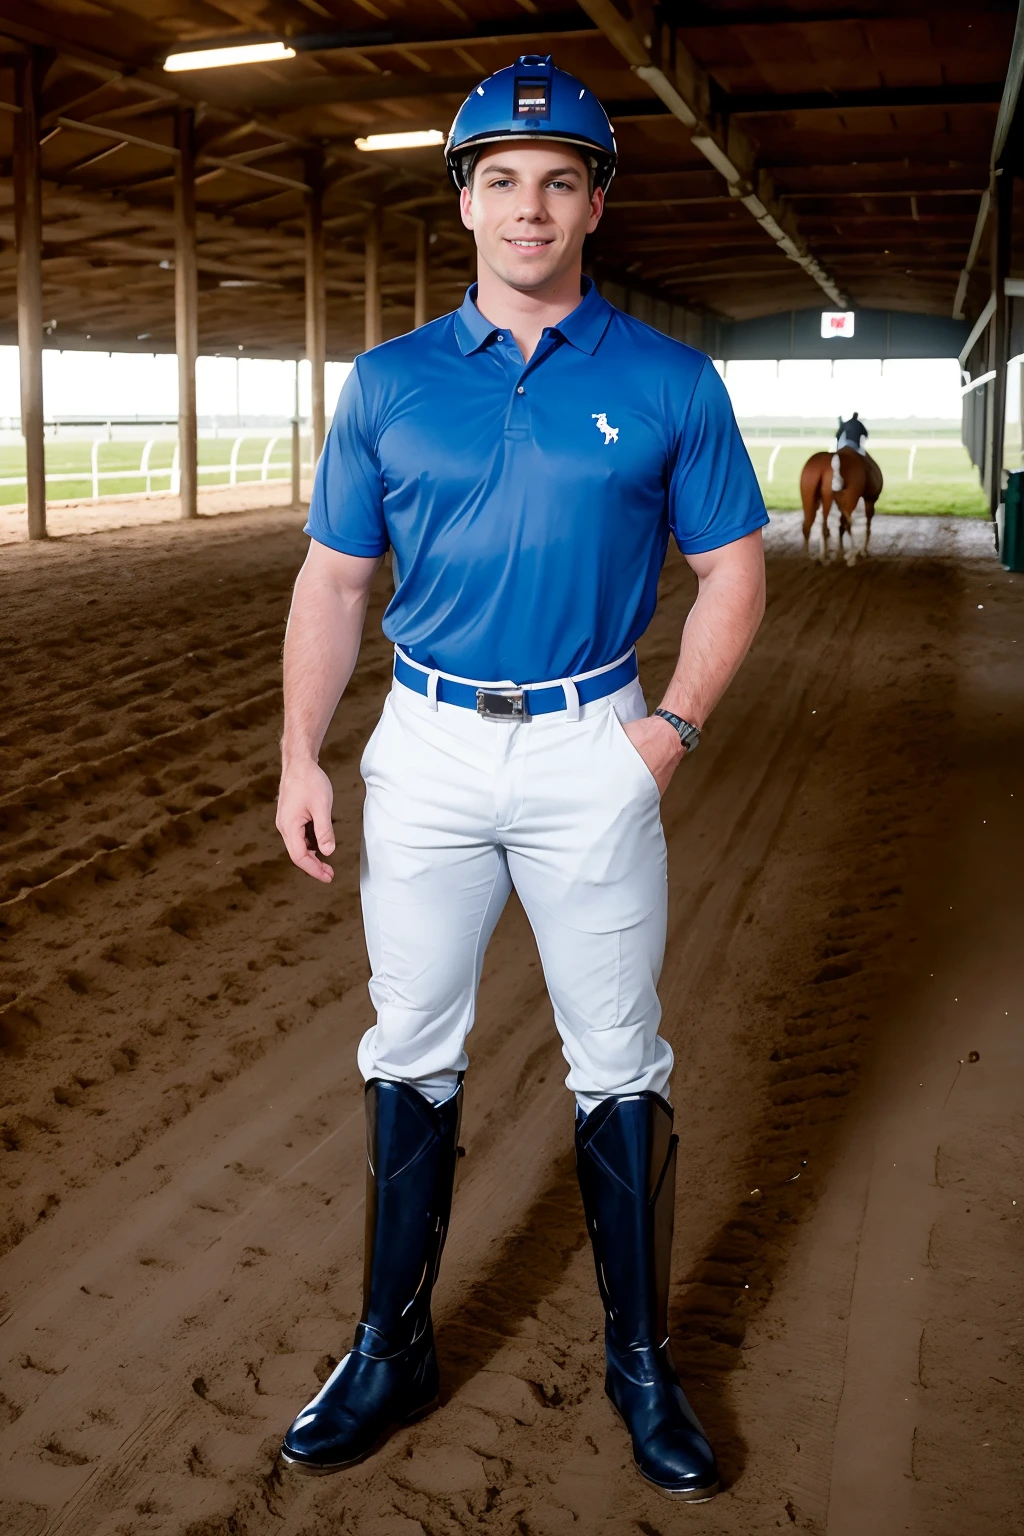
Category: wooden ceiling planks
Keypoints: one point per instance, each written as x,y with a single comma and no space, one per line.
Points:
844,166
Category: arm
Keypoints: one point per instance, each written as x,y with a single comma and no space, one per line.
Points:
321,644
716,636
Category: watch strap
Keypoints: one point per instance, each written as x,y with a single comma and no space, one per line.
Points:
688,734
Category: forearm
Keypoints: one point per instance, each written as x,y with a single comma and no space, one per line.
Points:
321,646
716,637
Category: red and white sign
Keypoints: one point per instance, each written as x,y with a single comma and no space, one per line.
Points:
836,322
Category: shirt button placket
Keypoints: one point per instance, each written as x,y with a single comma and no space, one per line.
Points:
517,422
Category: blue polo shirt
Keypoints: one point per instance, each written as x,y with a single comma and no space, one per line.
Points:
529,505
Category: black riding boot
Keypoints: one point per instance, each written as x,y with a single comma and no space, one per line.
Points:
626,1162
390,1373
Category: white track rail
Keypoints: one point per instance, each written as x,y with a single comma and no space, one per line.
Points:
261,472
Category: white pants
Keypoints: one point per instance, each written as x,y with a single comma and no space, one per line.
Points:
458,810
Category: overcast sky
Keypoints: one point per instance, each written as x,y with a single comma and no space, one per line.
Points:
98,383
139,383
896,390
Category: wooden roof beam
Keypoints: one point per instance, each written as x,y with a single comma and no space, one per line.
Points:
389,38
143,106
698,17
242,169
666,202
552,26
73,97
886,99
685,88
825,194
93,159
1008,110
771,104
63,202
273,97
237,165
687,279
75,125
150,81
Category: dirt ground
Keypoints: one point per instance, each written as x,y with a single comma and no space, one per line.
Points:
182,1132
64,518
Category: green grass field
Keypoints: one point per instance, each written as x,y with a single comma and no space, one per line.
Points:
76,457
944,480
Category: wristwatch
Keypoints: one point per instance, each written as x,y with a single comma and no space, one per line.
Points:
688,734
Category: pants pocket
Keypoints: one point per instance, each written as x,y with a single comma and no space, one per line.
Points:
646,780
366,761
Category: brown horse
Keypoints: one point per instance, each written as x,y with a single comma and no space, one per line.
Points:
851,480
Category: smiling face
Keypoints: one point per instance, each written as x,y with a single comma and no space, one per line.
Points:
530,208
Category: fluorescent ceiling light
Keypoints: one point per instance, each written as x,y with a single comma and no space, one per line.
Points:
217,58
419,139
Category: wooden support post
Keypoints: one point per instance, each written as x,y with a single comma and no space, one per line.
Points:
28,217
998,331
316,299
296,447
419,304
186,309
372,328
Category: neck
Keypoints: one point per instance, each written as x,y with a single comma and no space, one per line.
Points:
526,315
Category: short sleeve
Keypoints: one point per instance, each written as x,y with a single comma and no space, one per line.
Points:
347,509
714,497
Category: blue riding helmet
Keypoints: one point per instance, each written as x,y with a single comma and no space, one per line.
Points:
531,99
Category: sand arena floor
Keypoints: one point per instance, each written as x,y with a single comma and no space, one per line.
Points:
182,1139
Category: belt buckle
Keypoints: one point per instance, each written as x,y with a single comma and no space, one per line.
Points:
510,705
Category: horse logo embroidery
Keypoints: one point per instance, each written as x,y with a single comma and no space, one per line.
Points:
611,434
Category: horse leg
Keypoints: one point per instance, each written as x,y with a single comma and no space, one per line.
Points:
826,508
855,553
808,525
810,500
869,512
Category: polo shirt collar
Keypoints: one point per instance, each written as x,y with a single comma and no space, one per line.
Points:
583,328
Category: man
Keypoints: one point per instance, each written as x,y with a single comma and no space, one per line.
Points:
852,434
525,459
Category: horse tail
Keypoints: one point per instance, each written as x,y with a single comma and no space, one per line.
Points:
813,489
837,473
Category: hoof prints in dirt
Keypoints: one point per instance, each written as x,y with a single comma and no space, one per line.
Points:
137,937
137,998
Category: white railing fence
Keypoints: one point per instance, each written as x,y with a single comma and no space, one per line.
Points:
264,470
882,448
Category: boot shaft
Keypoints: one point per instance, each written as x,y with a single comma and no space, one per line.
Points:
626,1164
411,1154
